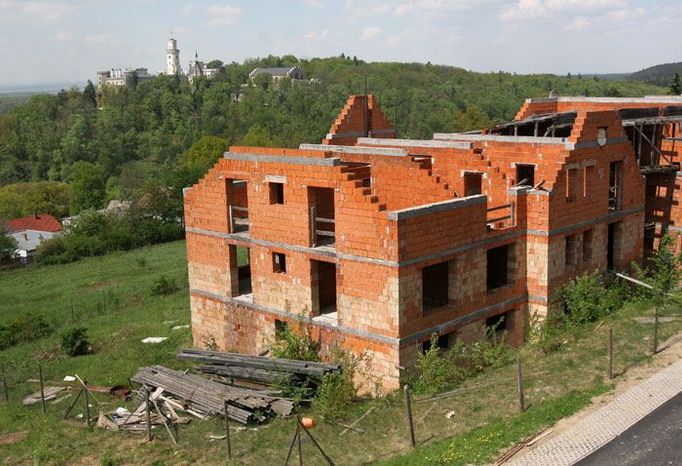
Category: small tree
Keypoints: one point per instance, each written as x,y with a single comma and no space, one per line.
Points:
75,341
676,85
7,245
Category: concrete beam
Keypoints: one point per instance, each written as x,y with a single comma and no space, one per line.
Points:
415,143
497,138
355,149
285,159
435,207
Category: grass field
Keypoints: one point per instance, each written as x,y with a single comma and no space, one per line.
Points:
111,296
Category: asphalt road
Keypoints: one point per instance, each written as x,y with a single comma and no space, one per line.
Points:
656,440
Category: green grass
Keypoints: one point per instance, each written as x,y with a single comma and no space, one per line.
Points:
111,296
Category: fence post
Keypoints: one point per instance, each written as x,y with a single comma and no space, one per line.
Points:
148,416
87,407
4,384
609,349
408,408
227,433
42,389
519,383
655,346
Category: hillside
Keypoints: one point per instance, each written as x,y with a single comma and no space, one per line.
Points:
660,75
138,135
112,297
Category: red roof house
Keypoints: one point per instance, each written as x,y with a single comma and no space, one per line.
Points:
38,222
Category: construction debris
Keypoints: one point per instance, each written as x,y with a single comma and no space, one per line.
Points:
50,393
154,340
201,397
256,368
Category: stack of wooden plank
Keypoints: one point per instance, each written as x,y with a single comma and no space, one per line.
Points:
259,369
201,397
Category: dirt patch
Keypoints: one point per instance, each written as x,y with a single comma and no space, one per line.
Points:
14,437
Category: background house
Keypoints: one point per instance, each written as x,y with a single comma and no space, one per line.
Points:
30,231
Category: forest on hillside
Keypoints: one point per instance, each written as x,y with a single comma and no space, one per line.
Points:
661,75
162,134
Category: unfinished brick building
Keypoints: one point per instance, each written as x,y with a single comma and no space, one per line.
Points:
375,243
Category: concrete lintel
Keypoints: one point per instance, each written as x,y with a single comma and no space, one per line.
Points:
355,149
285,159
498,138
441,206
516,190
186,190
395,342
459,321
415,143
612,100
275,178
611,216
326,252
592,144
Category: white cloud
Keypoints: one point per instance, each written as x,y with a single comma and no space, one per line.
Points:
34,10
62,36
370,33
365,8
314,3
626,15
101,39
532,9
578,24
220,16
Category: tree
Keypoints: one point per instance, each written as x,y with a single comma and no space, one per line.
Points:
215,64
204,153
676,86
90,94
7,245
470,119
87,186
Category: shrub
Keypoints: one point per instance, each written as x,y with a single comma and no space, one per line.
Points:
337,390
290,344
588,298
438,368
23,328
75,341
547,336
165,286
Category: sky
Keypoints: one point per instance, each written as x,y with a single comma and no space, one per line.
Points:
67,41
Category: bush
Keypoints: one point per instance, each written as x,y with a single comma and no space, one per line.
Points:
23,328
75,341
548,336
290,344
164,286
438,368
588,298
337,390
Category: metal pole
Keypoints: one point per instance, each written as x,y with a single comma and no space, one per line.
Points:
148,416
519,382
227,433
609,347
291,445
655,348
300,450
68,411
42,389
4,384
408,408
87,407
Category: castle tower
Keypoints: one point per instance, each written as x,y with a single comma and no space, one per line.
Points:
173,57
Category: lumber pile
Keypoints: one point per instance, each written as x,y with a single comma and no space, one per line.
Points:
201,397
258,369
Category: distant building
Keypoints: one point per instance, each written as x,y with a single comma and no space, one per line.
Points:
30,231
122,77
115,207
173,58
198,68
295,73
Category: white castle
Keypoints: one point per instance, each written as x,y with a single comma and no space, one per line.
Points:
128,76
